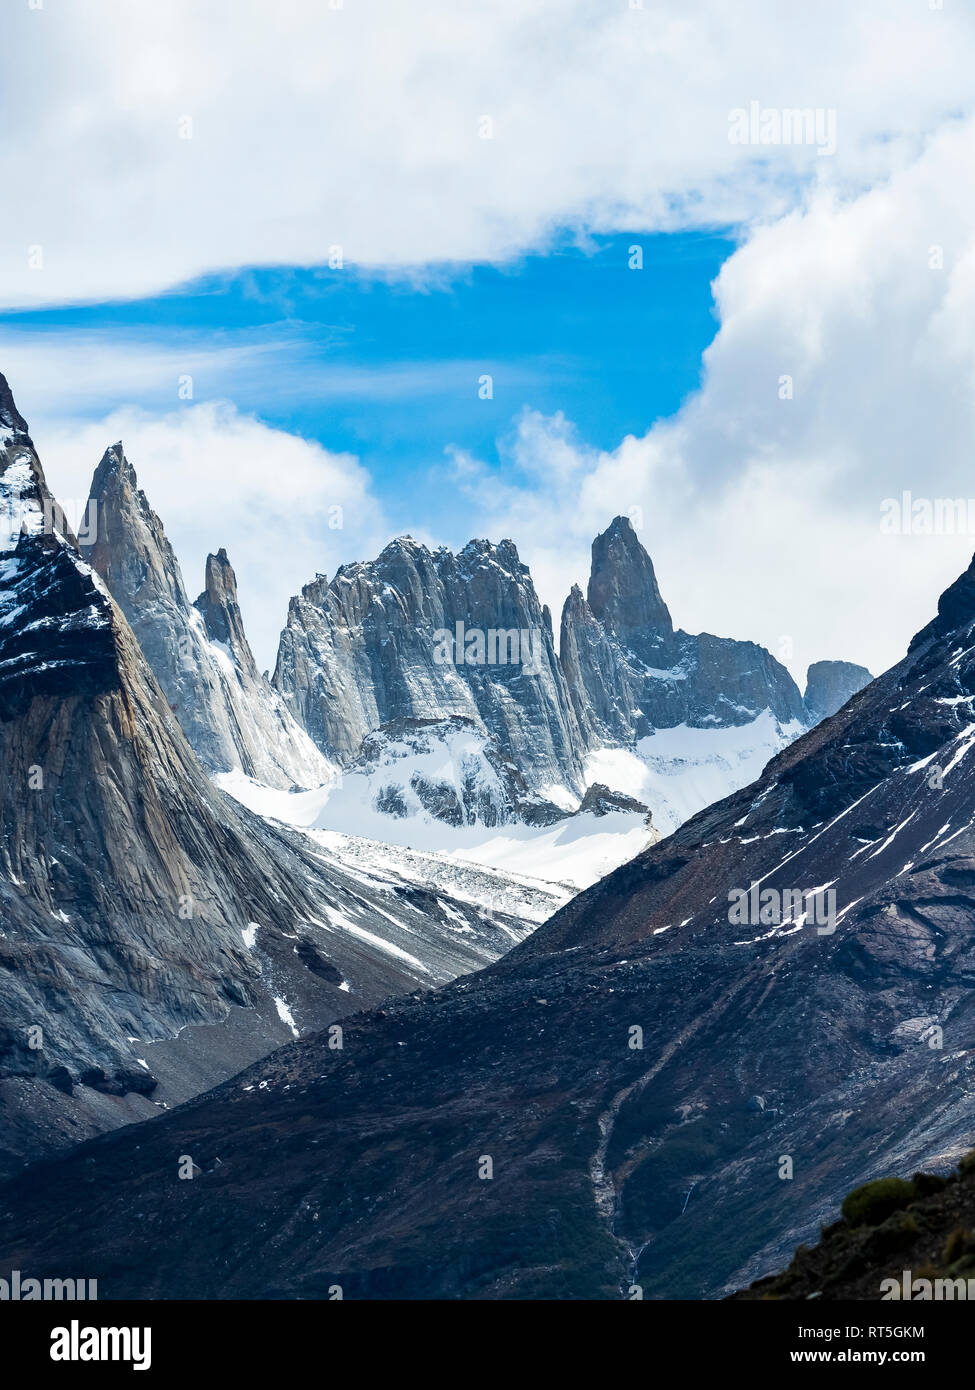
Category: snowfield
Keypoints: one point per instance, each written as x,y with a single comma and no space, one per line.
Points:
679,771
531,870
555,861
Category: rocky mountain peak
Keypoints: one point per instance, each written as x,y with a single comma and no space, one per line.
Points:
421,635
629,673
130,550
12,423
956,609
113,461
221,610
56,619
623,592
199,652
504,553
829,684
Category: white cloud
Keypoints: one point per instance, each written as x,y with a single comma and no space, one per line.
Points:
217,478
763,514
359,125
57,373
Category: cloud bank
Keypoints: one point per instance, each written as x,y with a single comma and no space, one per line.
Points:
148,144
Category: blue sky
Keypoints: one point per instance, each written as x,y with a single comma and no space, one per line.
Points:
190,163
386,366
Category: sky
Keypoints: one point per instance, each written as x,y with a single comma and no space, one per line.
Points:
277,251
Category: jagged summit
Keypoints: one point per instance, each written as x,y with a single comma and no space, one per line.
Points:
361,651
68,641
11,420
221,611
630,673
198,652
130,551
623,592
137,901
369,648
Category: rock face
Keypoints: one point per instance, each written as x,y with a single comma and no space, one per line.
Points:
675,1084
198,652
629,672
421,635
413,636
137,902
602,801
829,684
448,769
623,592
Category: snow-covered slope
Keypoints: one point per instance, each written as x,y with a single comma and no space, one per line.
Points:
557,860
449,769
521,901
681,770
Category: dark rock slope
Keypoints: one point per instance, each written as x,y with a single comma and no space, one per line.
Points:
648,1092
137,903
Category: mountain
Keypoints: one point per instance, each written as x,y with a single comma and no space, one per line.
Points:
421,635
669,1085
662,717
676,719
829,684
629,671
147,918
448,769
198,651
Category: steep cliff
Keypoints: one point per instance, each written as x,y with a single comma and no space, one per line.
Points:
421,635
198,652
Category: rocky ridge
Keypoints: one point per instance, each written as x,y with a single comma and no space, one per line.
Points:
138,904
671,1096
198,650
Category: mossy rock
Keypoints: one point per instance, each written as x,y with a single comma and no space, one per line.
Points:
967,1164
872,1203
961,1242
926,1184
896,1233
